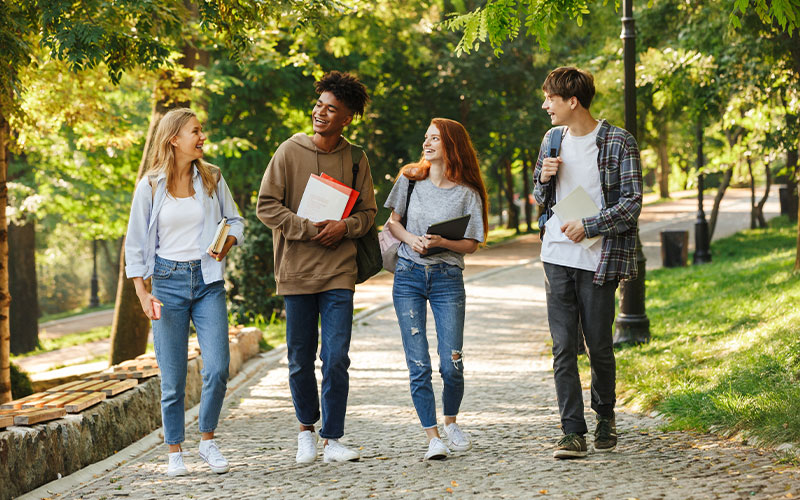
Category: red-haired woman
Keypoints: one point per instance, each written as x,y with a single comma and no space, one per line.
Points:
447,184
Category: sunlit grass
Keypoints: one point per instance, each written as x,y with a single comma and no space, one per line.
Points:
725,348
69,340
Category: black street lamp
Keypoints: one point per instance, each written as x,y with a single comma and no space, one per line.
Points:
94,300
702,253
632,324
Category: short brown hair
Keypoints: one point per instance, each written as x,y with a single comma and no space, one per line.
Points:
567,82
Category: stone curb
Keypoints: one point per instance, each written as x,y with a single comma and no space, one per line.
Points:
97,471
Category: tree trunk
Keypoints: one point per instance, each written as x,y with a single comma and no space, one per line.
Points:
726,180
513,213
759,208
499,193
663,160
5,332
752,192
24,312
130,327
526,179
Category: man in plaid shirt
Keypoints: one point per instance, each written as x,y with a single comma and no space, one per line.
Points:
581,278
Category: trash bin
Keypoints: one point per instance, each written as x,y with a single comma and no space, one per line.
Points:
674,248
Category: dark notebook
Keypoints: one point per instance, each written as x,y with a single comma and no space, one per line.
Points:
452,229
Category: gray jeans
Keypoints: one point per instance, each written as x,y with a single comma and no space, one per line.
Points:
573,300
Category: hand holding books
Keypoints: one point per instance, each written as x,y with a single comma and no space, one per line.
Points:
220,244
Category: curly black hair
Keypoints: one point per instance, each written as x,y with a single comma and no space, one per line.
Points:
346,88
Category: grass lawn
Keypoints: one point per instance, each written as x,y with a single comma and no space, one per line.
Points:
74,312
69,340
725,349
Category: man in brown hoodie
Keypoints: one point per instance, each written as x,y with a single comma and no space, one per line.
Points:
315,263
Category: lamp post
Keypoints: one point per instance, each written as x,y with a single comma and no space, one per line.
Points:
94,300
702,253
632,324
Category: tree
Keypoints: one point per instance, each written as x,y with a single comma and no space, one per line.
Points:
118,36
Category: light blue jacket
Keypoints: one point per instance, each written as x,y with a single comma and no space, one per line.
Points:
142,238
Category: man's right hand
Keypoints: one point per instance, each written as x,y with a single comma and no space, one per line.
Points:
549,168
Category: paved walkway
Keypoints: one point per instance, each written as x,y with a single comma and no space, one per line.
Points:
509,409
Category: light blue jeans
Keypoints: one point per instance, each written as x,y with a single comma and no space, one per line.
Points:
443,286
180,287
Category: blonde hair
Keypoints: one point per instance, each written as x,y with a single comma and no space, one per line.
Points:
162,154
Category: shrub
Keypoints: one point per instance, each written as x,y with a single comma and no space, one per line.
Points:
251,277
20,383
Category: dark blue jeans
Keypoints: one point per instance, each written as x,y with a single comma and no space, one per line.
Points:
573,301
303,314
443,286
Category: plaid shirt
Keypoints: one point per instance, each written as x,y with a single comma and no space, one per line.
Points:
621,176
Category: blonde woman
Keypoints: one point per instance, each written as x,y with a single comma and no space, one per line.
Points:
176,209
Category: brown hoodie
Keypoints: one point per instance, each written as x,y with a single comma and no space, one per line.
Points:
303,266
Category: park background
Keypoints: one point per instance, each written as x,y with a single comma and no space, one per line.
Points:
90,79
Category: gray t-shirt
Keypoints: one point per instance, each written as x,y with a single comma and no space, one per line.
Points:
431,204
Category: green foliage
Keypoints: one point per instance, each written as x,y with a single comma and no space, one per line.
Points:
251,276
723,354
69,340
20,383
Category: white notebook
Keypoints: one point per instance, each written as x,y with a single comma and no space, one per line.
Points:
321,202
575,206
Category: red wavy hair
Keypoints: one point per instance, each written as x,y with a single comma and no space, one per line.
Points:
460,163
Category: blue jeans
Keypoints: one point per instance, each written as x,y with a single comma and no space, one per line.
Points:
303,313
443,286
180,287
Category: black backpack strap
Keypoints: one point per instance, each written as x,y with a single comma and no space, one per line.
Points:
404,220
556,138
356,153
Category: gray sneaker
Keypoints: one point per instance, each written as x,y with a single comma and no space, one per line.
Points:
571,446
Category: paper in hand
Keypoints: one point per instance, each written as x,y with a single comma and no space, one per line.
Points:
575,206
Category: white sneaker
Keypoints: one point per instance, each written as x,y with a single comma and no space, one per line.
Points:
213,457
457,440
436,450
337,452
176,466
306,447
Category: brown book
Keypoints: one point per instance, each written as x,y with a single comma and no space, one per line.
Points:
220,236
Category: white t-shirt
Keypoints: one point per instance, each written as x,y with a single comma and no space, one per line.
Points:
180,223
578,168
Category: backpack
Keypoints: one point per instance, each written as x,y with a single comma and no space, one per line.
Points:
368,250
555,147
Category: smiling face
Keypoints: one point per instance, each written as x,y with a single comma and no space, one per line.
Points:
330,116
188,144
432,147
559,109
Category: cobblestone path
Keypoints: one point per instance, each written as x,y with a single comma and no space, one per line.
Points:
509,409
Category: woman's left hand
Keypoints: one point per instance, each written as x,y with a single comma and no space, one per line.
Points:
434,240
229,242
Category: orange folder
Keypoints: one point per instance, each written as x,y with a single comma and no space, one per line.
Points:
344,188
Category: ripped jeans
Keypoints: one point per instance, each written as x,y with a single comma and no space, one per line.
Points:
443,286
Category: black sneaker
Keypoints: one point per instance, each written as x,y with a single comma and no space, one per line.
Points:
571,446
605,434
